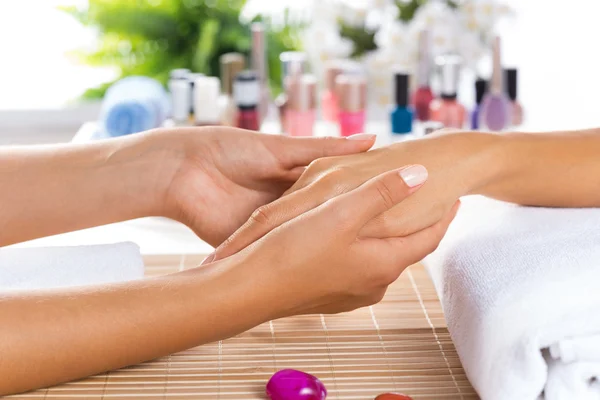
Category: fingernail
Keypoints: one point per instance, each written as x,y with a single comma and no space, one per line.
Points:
414,175
361,136
208,259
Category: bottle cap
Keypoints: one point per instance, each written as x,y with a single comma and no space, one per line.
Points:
450,72
401,88
179,73
206,99
511,83
246,90
424,66
259,51
231,65
292,63
480,90
496,82
180,99
302,93
333,69
351,91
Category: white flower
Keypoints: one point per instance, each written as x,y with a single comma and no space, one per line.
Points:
353,15
443,23
471,48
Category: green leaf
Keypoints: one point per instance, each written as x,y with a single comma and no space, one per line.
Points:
207,42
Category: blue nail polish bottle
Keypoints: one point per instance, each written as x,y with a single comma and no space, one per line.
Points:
402,114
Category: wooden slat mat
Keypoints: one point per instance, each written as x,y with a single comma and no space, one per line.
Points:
401,345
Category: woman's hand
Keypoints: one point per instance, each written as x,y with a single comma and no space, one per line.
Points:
224,174
319,263
458,163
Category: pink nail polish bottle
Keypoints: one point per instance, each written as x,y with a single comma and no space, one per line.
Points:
423,96
351,91
301,106
329,102
447,109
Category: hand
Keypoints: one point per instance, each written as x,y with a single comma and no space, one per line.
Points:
224,174
458,163
318,262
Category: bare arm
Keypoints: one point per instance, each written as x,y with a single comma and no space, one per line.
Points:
49,337
560,169
555,169
53,189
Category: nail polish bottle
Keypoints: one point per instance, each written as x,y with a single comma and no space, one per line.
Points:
259,65
231,65
180,89
480,89
423,96
192,76
301,107
447,109
293,64
402,114
329,102
351,91
516,110
206,101
494,114
246,93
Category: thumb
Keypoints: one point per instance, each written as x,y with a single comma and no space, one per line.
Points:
382,193
293,151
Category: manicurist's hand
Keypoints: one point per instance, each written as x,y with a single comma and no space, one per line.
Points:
319,263
457,163
208,178
224,174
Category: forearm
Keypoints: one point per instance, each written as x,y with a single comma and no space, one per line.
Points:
52,337
48,190
559,169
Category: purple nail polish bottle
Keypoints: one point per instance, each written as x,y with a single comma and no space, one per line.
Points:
480,89
495,106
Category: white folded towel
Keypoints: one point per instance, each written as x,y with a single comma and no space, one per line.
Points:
520,289
52,267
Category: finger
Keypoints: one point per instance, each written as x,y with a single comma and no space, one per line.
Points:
293,152
380,194
268,217
413,248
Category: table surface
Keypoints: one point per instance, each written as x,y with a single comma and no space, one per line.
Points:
399,345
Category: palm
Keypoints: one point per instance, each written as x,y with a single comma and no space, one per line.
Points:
226,184
225,174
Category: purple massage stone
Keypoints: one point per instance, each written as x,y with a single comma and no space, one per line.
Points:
290,384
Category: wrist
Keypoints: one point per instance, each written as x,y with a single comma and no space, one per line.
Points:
142,167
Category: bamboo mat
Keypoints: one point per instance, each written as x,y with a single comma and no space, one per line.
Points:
399,345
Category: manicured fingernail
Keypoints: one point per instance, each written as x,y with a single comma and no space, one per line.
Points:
362,136
208,259
414,175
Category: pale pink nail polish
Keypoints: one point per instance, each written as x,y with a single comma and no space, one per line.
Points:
329,101
301,105
414,175
351,91
362,136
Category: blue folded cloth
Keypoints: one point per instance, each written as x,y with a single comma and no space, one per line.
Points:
134,104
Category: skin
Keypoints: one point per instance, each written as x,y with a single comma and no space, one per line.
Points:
52,336
211,179
556,169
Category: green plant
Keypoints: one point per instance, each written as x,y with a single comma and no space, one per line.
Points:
152,37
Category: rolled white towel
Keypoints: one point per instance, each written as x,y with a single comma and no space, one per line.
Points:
52,267
520,289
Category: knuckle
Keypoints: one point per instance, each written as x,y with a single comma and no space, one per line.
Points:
262,216
385,193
